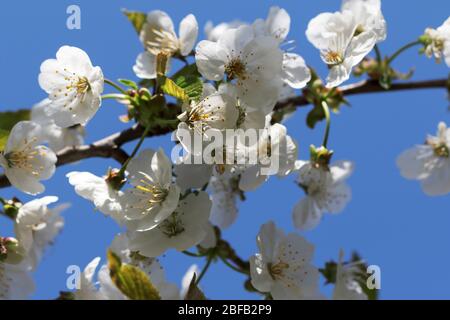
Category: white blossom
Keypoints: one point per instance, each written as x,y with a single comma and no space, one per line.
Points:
224,194
158,36
295,72
368,16
334,35
37,226
250,62
97,190
213,33
58,138
187,226
15,282
326,191
283,266
153,196
25,161
277,153
73,85
347,286
438,42
429,163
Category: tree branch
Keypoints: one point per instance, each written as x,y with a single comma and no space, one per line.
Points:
110,147
369,86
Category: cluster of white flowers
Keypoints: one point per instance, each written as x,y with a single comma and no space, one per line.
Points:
345,37
36,226
163,205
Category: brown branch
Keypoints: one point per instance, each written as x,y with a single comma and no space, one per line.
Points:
110,147
369,86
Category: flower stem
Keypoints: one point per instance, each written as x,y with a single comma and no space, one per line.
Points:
326,110
228,264
377,53
404,48
192,254
136,149
114,96
205,268
115,86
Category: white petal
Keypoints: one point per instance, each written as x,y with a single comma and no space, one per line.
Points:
278,23
188,34
306,214
145,67
295,71
211,59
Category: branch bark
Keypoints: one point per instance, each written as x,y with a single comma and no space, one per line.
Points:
111,146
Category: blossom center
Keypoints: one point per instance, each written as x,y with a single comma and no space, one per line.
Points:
442,151
172,226
276,271
236,69
22,159
333,58
164,42
157,194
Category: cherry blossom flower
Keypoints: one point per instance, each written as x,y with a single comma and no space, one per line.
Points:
250,62
25,161
224,194
187,226
57,138
347,287
429,163
437,42
105,289
73,85
37,226
283,267
154,196
277,153
15,281
326,191
213,33
295,72
99,191
334,35
158,37
368,16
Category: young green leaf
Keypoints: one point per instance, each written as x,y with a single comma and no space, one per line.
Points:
130,280
8,119
189,79
136,18
172,89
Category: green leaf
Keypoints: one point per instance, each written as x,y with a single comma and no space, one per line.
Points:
3,139
130,280
194,293
8,120
314,116
129,83
189,79
136,18
172,89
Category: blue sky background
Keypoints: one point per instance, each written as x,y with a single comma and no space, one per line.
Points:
390,222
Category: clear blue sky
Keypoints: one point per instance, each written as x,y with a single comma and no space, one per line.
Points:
390,222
